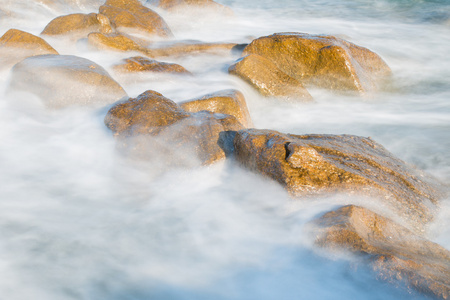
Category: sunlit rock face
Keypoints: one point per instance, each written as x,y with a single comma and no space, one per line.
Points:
323,61
152,126
16,45
76,26
131,16
396,253
268,79
229,102
141,64
64,80
311,164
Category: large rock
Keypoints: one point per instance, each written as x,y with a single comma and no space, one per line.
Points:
153,127
16,45
268,79
142,64
133,17
395,252
323,61
182,5
123,43
310,164
116,42
62,80
77,26
229,102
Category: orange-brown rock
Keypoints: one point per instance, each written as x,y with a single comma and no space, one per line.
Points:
268,79
229,102
123,42
77,25
180,5
310,164
115,41
323,61
16,45
152,126
142,64
63,80
395,251
133,17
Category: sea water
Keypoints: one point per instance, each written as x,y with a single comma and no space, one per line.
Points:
79,221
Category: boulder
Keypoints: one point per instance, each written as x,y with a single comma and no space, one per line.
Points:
182,5
151,126
311,164
394,251
77,26
268,79
323,61
142,64
116,42
229,102
62,80
16,45
133,17
123,42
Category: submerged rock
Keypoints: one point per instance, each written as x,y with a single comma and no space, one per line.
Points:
229,102
142,64
182,5
16,45
115,41
323,61
62,80
268,79
78,26
151,126
310,164
396,253
133,17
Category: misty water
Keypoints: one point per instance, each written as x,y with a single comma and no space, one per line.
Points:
79,221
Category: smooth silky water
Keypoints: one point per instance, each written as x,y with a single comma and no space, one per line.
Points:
79,221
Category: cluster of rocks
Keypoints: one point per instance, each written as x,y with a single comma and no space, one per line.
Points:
217,126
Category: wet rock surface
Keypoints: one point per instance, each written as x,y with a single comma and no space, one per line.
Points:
322,61
153,126
78,26
311,164
268,79
395,252
142,64
16,45
63,80
132,17
229,102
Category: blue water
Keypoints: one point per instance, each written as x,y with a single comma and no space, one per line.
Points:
77,221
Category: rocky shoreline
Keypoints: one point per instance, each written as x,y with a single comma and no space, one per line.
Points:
215,127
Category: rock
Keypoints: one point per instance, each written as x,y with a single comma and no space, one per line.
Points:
229,102
268,79
63,80
133,17
122,42
16,45
142,64
182,5
78,26
115,41
395,252
152,126
323,61
310,164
